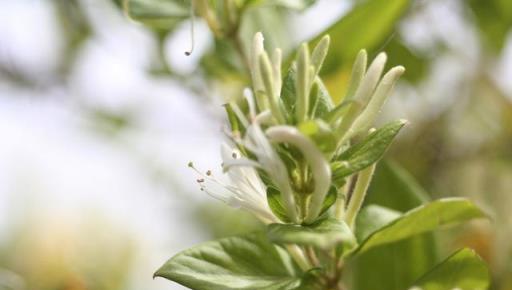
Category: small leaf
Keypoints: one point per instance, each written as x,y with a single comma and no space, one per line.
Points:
463,270
321,101
276,204
366,152
323,234
234,122
425,218
240,262
321,133
329,200
372,218
288,95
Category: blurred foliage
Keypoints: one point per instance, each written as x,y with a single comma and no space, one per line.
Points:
220,220
462,149
59,254
494,20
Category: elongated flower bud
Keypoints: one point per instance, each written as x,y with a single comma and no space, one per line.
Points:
367,117
320,52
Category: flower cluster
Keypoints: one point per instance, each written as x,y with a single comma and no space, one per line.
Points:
285,154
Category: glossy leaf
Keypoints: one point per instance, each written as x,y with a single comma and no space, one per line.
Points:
372,218
463,270
366,152
276,204
423,219
394,266
241,262
323,234
330,199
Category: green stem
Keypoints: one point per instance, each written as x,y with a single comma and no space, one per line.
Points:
356,201
299,257
339,211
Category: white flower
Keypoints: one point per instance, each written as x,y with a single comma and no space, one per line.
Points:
244,189
268,160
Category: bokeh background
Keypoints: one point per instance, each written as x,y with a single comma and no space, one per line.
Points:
99,116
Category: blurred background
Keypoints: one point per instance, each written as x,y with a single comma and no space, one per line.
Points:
100,114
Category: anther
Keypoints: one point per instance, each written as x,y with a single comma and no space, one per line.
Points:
209,172
200,180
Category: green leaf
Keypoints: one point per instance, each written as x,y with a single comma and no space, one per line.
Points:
320,99
162,14
463,270
366,152
372,218
234,122
367,26
423,219
323,234
330,199
288,96
394,266
321,133
276,204
241,262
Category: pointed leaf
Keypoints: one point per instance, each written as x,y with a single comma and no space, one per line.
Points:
463,270
366,152
288,95
321,101
394,266
241,262
276,204
330,199
423,219
372,218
